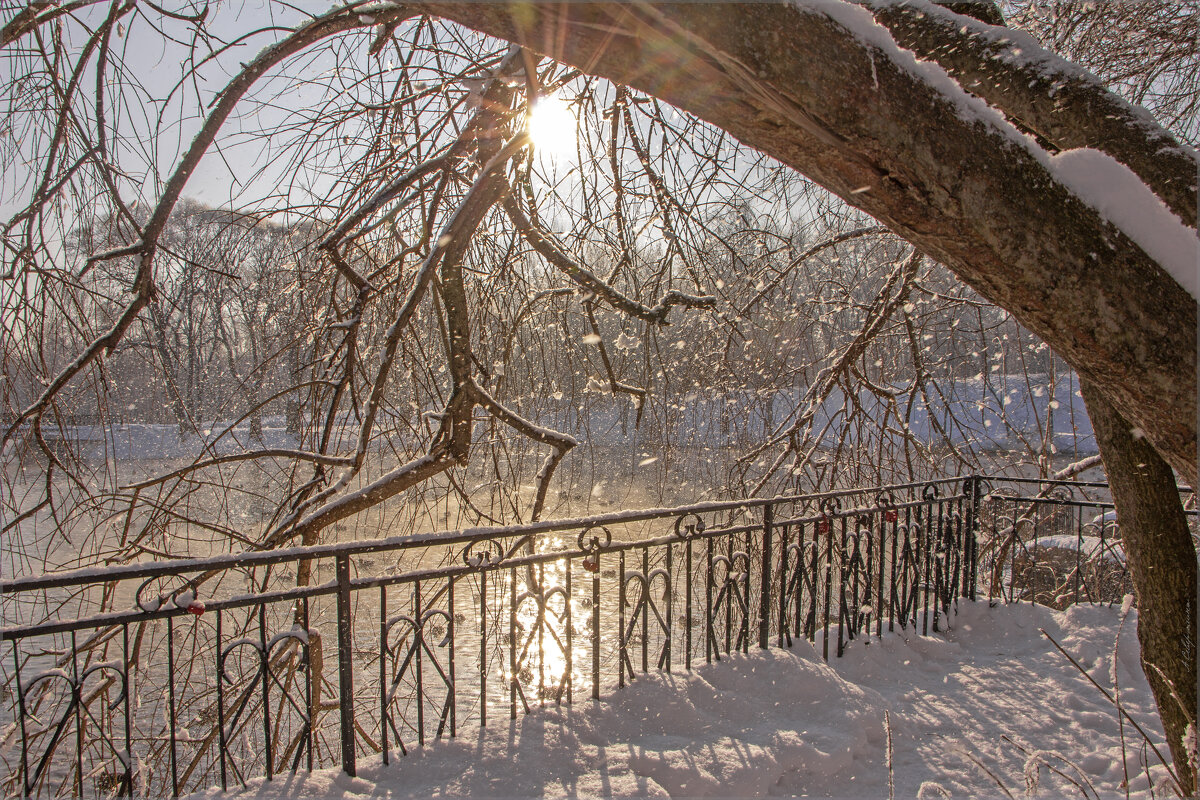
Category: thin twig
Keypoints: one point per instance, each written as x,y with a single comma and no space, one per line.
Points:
1170,772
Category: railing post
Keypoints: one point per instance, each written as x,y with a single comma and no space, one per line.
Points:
972,535
764,599
345,665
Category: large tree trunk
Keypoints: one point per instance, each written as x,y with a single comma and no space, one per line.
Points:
1161,557
847,110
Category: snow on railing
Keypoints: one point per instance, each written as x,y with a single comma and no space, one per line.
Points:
175,676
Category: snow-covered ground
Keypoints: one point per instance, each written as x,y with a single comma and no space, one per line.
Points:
961,705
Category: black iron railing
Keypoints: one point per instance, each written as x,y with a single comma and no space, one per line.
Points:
1054,543
173,676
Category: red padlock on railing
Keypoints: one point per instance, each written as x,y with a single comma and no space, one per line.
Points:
891,515
590,541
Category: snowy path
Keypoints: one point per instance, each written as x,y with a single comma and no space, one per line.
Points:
783,723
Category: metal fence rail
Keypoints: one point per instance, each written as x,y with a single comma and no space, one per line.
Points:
174,676
1054,543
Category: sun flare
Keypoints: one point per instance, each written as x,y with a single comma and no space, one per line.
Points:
552,127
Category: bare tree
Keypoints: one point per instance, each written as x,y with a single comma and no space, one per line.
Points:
431,303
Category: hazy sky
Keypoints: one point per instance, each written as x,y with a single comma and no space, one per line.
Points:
159,105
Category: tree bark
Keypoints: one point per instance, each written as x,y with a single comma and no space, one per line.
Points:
966,189
982,10
1068,109
1161,557
1063,103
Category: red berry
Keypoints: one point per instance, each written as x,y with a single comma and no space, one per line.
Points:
196,607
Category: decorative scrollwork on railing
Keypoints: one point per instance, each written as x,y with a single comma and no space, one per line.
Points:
414,638
227,651
590,543
810,565
115,667
418,631
263,675
975,486
688,526
1103,524
647,606
482,553
57,723
906,583
951,553
855,567
852,547
185,597
733,595
548,622
74,702
1062,494
1002,493
801,563
831,506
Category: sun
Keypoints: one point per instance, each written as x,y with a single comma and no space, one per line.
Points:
552,127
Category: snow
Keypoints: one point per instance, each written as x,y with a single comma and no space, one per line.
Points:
1024,50
1109,187
1089,546
782,722
1119,195
296,632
